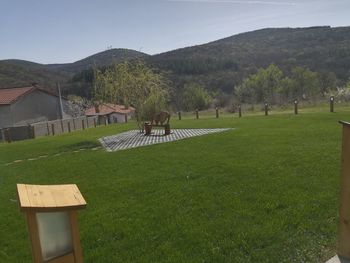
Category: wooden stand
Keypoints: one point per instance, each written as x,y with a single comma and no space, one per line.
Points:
344,209
52,219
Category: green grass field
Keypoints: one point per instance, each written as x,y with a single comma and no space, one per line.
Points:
266,191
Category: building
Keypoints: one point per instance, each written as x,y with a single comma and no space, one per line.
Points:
113,112
26,105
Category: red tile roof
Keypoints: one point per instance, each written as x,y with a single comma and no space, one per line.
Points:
8,96
109,108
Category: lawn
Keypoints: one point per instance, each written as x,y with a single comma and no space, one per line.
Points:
266,191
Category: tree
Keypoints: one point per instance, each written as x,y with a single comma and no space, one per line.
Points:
132,84
305,83
288,89
265,84
221,99
328,82
244,94
195,97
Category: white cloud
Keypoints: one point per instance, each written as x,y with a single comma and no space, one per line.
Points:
250,2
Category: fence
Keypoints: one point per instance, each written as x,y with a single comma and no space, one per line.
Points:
16,133
50,128
266,108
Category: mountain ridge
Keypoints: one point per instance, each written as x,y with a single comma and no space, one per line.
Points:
223,63
17,72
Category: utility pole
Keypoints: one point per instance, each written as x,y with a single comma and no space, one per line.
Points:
60,98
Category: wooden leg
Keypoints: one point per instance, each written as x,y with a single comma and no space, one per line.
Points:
34,237
78,254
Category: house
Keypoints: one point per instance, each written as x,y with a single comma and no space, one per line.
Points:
113,112
26,105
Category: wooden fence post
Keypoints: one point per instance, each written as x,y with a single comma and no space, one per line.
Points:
7,133
48,128
344,208
266,109
126,118
75,128
53,128
179,113
87,122
62,126
217,112
296,106
331,104
197,114
69,130
239,111
82,124
31,132
95,122
2,134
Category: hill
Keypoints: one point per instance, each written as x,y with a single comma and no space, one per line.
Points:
14,72
224,63
101,59
20,73
218,65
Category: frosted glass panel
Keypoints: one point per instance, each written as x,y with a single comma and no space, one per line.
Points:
55,234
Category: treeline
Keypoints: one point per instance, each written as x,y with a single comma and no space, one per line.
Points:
269,84
272,85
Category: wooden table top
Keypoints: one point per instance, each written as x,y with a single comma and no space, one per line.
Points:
50,198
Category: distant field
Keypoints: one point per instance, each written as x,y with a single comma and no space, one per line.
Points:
266,191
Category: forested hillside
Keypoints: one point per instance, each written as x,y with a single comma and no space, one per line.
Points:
222,66
14,72
101,59
225,63
322,54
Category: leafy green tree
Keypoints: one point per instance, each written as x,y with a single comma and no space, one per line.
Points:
287,91
221,99
244,94
265,84
195,97
132,84
305,83
328,82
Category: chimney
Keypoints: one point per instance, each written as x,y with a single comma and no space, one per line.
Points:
97,108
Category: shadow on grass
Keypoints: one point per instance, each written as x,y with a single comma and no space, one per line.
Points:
80,145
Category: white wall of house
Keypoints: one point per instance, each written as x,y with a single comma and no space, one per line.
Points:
118,117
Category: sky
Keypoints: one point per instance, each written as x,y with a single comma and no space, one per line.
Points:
63,31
